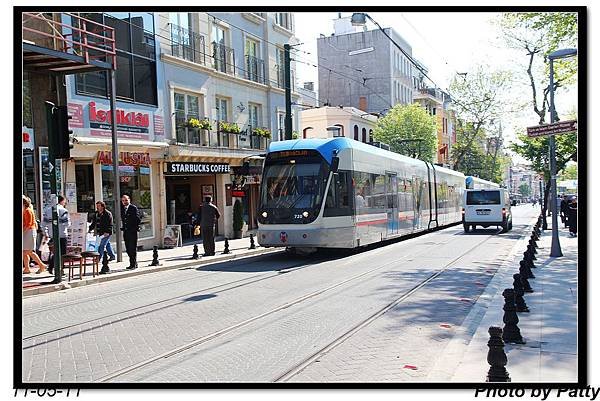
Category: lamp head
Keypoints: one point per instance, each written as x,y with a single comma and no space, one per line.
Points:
358,19
562,53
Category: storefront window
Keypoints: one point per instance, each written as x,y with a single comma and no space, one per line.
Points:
135,182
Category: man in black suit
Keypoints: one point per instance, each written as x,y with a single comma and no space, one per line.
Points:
131,226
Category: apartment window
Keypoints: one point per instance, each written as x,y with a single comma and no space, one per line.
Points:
281,125
254,64
364,135
136,59
186,107
356,132
222,109
433,111
284,20
254,120
280,58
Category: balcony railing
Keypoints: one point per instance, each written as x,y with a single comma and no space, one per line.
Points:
187,45
255,69
215,138
93,42
223,58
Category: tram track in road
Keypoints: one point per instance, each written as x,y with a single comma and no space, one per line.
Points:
110,294
231,285
310,296
299,367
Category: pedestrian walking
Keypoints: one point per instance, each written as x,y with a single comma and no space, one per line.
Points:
102,225
64,222
130,217
572,217
209,215
563,211
29,233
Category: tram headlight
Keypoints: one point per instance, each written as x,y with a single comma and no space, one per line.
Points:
305,214
264,214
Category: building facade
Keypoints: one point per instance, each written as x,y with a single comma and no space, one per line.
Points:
351,123
198,94
364,69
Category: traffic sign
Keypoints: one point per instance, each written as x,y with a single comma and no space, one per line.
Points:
561,127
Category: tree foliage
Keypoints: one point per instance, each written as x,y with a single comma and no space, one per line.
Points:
479,98
569,172
524,189
409,130
482,155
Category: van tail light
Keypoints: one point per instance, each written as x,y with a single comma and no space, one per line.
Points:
503,211
463,211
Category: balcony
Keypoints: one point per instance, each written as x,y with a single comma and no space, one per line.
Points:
187,45
215,138
65,43
223,58
255,69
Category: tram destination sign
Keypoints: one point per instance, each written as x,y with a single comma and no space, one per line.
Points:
193,168
561,127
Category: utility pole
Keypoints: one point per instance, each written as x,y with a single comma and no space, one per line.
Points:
53,162
288,92
115,163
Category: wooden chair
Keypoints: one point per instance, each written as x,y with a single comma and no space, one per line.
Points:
70,259
95,258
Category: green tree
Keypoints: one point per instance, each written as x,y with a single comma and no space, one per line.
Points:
524,189
569,172
409,130
539,34
479,98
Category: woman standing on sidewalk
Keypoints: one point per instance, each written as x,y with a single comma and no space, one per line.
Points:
29,233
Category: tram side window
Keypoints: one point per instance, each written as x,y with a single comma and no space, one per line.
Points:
339,200
379,195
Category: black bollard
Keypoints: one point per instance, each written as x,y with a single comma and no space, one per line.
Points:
105,269
154,257
527,257
531,248
519,292
524,274
496,357
510,332
252,245
524,270
531,253
533,243
226,250
195,254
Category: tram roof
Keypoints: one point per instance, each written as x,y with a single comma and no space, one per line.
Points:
326,146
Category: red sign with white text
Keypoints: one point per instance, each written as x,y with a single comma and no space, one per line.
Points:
125,159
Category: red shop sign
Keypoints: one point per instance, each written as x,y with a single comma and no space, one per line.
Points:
125,159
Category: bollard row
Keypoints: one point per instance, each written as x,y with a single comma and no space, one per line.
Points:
514,302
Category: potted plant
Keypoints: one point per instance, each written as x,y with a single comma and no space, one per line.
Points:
231,128
202,125
238,219
263,134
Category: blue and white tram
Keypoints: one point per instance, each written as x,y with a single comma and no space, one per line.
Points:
341,193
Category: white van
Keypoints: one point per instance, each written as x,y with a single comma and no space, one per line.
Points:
486,207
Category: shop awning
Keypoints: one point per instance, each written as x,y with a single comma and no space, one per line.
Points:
87,140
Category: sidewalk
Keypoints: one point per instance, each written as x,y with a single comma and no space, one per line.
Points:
550,329
34,284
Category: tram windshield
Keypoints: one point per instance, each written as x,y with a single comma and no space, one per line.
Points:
293,185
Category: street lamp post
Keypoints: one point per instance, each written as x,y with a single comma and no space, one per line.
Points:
555,250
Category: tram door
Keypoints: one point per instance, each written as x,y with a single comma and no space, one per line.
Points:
392,204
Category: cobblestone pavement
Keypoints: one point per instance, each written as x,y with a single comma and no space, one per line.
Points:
87,333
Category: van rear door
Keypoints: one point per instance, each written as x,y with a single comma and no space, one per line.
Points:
483,206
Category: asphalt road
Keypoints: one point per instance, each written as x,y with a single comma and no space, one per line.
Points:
383,314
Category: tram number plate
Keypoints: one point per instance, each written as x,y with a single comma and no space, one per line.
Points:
482,211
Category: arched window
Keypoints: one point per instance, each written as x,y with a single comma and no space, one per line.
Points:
341,127
370,135
305,132
364,135
356,133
